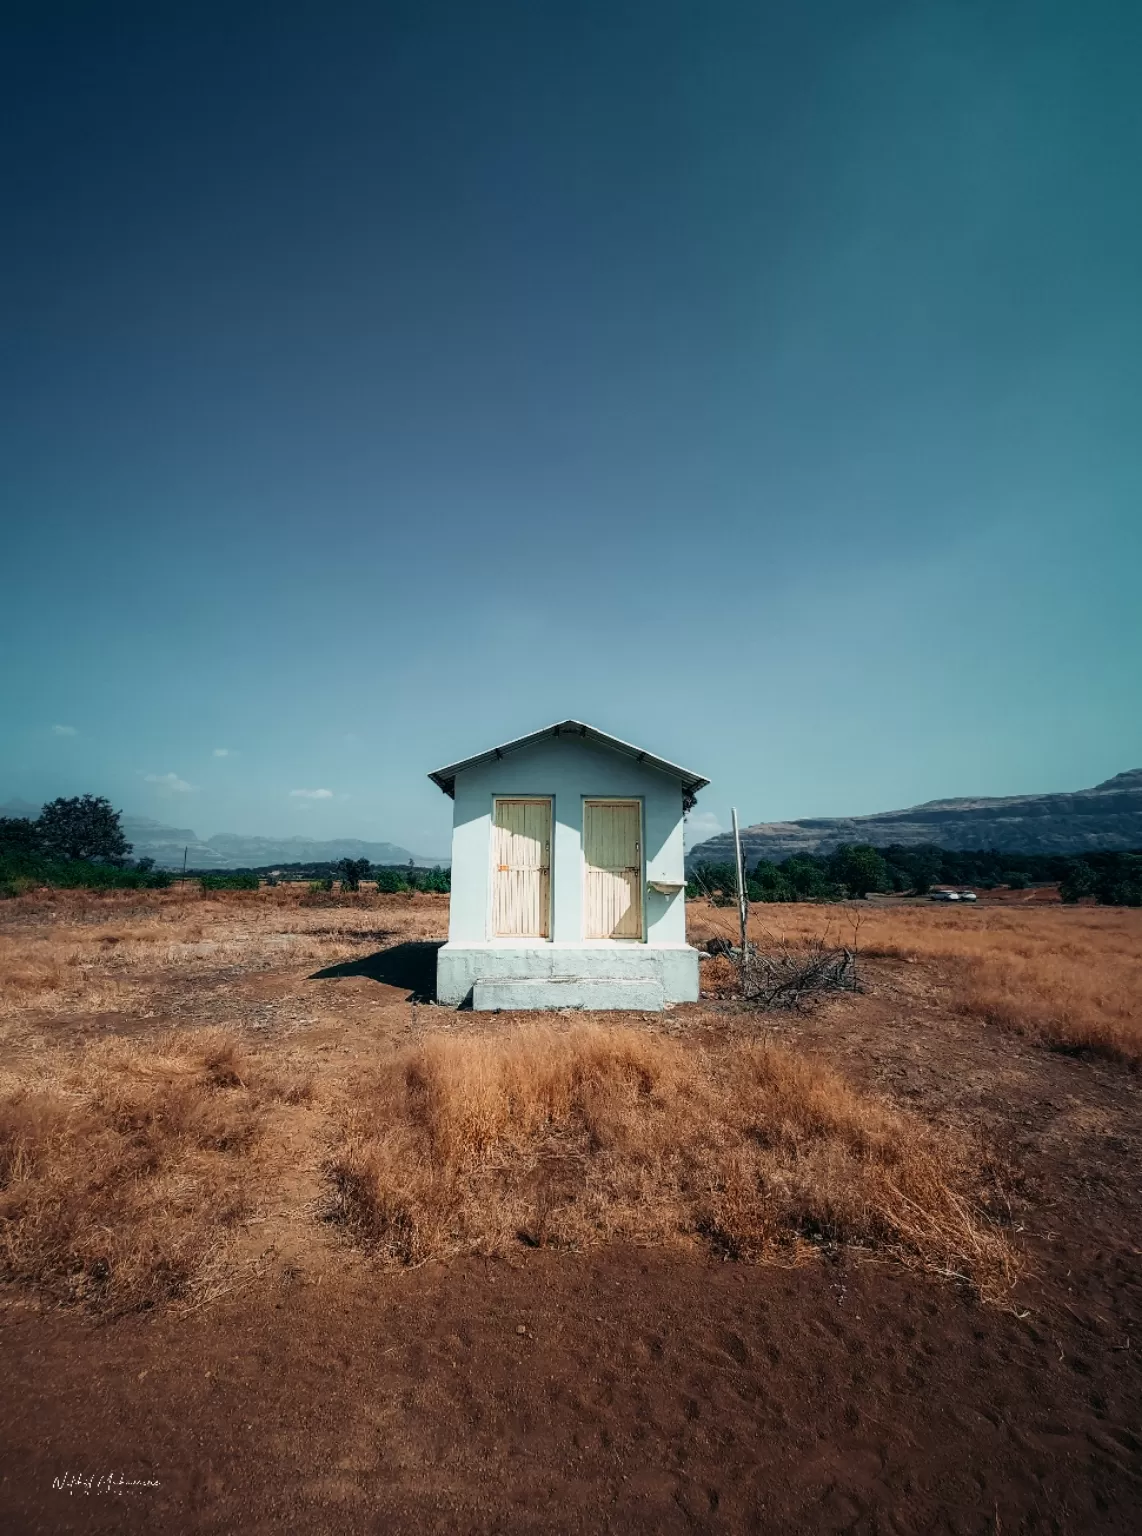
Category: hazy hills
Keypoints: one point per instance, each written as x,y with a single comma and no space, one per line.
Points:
228,850
1107,818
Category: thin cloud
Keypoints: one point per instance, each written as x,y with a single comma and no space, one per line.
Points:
224,752
311,794
64,730
170,783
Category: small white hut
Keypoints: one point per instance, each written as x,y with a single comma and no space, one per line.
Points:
568,885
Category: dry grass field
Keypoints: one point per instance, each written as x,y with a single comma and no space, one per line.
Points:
236,1117
1070,977
129,1162
70,951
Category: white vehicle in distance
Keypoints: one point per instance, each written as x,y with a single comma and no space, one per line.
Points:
968,896
944,895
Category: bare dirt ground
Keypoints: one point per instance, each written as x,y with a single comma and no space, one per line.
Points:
299,1386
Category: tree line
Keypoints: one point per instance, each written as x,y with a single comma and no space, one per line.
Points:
856,869
390,879
79,843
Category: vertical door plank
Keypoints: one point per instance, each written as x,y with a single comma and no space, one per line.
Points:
521,868
611,845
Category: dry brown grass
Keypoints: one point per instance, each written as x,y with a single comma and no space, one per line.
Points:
74,952
578,1136
128,1171
1070,977
120,1171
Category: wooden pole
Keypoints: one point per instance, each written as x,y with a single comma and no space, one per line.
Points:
743,900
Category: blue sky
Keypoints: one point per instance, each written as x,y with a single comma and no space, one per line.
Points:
760,383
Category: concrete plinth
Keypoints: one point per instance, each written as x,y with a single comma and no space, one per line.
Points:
671,968
568,992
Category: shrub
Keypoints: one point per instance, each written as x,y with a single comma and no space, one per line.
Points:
390,881
230,882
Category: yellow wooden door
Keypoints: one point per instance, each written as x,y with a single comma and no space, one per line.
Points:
521,869
612,844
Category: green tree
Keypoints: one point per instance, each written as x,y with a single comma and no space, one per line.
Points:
1079,880
808,879
351,872
84,827
767,883
19,838
1119,877
1121,893
925,868
717,882
860,868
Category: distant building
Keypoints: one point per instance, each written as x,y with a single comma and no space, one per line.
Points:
568,887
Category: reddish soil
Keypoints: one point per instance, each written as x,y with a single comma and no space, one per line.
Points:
639,1391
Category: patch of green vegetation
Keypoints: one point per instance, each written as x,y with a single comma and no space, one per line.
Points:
854,869
75,844
230,881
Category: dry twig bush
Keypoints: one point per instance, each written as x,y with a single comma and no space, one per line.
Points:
119,1176
578,1136
791,978
778,975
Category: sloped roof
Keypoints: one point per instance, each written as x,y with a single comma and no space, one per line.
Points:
691,782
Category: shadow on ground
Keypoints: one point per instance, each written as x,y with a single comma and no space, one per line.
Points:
411,966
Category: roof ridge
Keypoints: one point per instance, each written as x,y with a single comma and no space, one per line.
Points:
445,778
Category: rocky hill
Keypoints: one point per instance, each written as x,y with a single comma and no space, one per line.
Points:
1107,818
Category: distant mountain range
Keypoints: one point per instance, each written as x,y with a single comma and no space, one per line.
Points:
227,850
1107,818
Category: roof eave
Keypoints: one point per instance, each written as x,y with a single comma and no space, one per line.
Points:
445,782
445,778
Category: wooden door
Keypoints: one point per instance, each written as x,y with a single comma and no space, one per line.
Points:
521,869
612,845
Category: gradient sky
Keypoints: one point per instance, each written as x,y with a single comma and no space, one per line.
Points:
759,382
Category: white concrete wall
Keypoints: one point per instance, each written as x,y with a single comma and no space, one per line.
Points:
570,770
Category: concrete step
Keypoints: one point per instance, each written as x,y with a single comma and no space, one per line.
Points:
640,995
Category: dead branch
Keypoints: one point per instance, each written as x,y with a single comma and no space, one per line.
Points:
790,978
